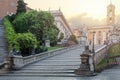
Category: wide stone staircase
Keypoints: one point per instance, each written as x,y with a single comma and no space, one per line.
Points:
61,65
3,45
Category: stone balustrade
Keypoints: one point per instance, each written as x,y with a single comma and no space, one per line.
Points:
100,53
20,61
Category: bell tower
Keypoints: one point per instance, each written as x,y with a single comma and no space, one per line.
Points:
110,14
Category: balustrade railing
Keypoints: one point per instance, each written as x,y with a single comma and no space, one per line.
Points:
100,53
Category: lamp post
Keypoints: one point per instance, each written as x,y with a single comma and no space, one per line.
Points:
93,48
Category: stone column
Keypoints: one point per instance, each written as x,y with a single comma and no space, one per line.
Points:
91,63
95,38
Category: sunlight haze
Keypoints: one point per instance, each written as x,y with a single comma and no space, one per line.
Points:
71,8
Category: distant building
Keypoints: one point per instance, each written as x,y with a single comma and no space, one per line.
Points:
9,7
81,35
100,34
115,34
77,33
62,24
110,14
103,34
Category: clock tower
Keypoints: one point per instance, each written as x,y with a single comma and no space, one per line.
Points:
110,14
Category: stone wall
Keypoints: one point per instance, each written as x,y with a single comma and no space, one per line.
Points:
100,53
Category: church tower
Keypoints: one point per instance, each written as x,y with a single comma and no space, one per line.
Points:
110,14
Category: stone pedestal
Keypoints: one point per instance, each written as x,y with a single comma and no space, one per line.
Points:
47,43
84,69
9,63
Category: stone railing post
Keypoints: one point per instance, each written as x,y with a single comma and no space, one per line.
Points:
9,64
85,66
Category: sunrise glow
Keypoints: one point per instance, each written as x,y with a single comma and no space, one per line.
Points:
70,8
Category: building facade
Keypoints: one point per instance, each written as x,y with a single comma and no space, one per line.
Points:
103,34
100,35
81,35
7,7
62,24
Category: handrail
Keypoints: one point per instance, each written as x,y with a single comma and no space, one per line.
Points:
100,48
100,53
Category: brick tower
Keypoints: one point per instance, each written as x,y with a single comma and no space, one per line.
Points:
110,14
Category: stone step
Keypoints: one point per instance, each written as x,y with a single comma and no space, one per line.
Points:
41,75
1,24
67,58
1,27
1,33
46,70
43,72
2,59
3,48
3,41
43,64
3,44
55,68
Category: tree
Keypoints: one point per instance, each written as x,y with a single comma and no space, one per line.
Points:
44,27
40,23
21,8
73,38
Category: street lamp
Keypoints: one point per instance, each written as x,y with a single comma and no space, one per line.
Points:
93,48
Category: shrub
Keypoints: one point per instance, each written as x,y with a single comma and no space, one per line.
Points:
27,43
73,38
40,49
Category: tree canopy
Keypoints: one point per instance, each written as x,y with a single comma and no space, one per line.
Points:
40,23
73,38
21,7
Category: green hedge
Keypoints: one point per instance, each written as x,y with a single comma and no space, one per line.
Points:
114,50
10,34
25,42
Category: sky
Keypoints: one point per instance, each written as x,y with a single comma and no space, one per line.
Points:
89,9
70,8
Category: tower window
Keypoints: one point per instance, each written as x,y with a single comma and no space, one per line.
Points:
110,10
110,19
